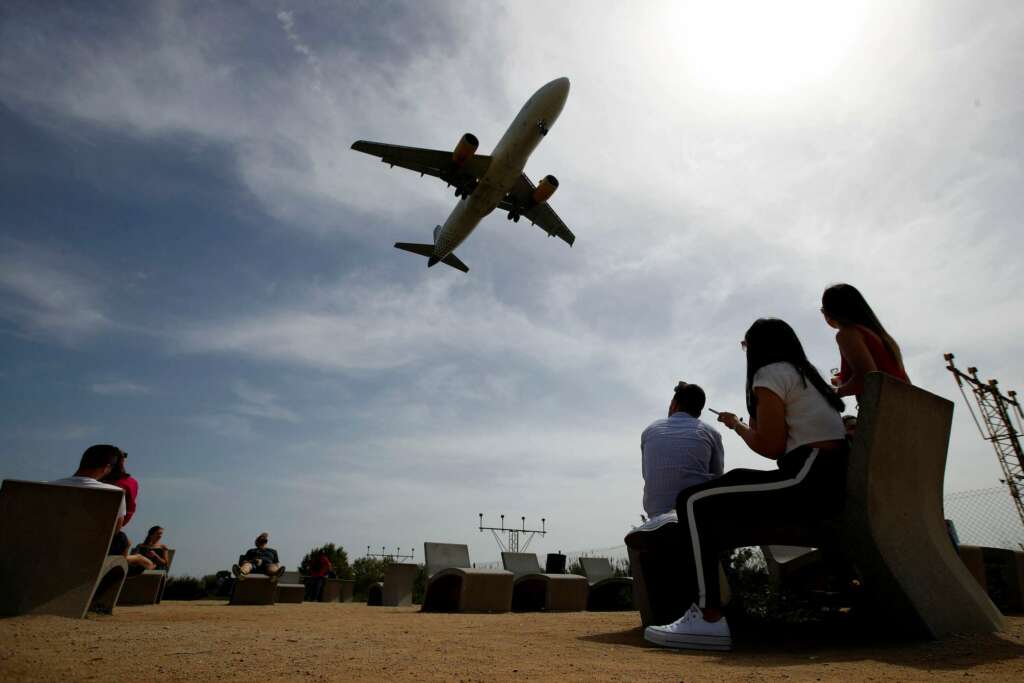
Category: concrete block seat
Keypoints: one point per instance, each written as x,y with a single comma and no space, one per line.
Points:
335,590
55,541
607,592
999,572
654,559
396,588
555,563
290,588
253,589
454,586
146,588
891,529
533,590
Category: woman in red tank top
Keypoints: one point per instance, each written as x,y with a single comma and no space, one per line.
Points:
863,343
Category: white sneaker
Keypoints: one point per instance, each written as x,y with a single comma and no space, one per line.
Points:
691,632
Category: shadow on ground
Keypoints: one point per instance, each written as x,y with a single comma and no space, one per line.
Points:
790,645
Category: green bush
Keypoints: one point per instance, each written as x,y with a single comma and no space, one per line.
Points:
335,553
190,587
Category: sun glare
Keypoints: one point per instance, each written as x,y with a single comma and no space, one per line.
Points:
766,47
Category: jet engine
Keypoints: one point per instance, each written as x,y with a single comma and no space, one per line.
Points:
545,188
465,149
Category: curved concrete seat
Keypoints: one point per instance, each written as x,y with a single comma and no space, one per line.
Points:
375,594
334,590
607,592
254,589
453,586
655,554
999,572
533,590
290,588
891,529
54,541
142,589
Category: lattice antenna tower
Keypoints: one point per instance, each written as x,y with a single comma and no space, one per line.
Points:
512,545
997,414
396,556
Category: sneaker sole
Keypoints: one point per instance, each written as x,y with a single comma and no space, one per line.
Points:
689,641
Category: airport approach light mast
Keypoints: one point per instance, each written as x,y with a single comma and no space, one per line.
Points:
513,546
997,414
396,556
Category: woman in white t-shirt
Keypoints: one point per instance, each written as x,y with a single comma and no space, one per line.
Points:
796,420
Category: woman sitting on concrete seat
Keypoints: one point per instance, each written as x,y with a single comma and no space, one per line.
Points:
152,549
795,420
864,345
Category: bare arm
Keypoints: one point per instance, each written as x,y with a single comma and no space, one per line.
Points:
855,351
766,435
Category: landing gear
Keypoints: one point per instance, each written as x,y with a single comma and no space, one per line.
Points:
542,126
466,189
513,215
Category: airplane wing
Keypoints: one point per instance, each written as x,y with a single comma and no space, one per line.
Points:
433,162
541,215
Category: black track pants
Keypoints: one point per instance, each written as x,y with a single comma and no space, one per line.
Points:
745,507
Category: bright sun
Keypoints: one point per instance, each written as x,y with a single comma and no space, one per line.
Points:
766,47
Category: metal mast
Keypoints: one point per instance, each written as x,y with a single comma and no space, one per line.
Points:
513,534
997,412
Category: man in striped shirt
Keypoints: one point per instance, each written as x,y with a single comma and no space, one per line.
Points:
678,451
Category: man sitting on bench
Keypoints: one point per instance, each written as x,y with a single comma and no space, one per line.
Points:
678,451
259,560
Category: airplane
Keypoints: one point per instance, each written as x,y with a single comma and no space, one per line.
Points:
484,183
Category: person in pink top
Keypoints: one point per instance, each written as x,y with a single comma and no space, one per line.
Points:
121,479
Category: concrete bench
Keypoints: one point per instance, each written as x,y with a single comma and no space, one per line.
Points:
146,588
654,559
54,542
607,592
254,589
337,590
396,588
454,586
533,590
999,572
891,530
290,588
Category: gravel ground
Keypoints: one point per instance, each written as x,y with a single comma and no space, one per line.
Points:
211,641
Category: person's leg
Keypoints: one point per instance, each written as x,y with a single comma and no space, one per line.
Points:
243,569
708,512
140,561
739,508
119,544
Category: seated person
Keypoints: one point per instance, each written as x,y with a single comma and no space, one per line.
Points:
850,425
95,464
795,421
678,451
259,560
153,549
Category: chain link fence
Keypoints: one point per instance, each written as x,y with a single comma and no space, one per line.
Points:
986,517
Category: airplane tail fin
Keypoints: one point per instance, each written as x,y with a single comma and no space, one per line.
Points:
428,251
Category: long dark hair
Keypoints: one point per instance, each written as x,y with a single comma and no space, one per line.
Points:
770,340
149,534
117,471
847,306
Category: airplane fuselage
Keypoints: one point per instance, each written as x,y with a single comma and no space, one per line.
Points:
507,163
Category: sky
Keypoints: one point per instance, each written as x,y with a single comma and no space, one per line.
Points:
196,267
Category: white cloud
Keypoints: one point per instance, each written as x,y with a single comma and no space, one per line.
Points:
120,388
45,294
260,403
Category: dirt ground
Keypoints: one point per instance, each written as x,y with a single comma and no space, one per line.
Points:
211,641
